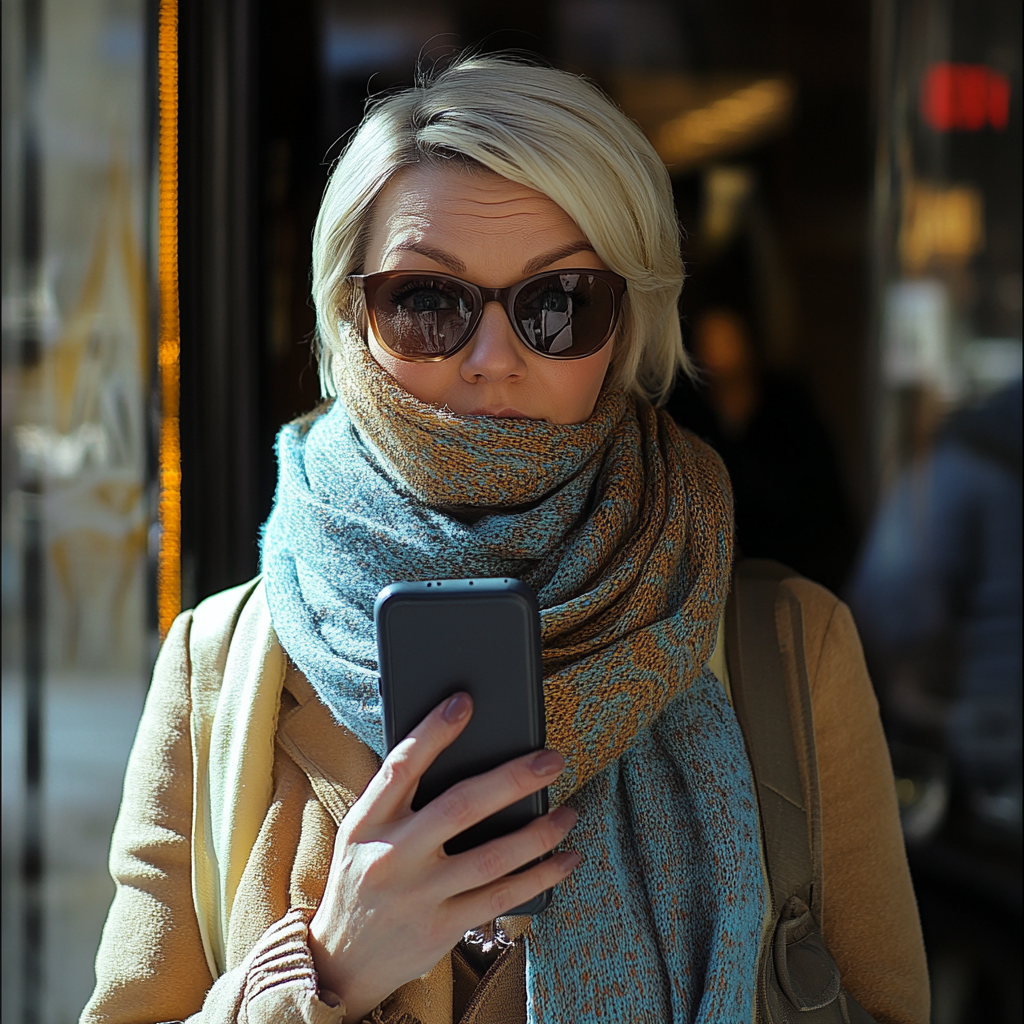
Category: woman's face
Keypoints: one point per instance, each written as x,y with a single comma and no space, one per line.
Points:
492,232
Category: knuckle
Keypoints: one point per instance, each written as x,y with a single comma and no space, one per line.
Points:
503,899
491,863
524,779
551,835
454,806
378,872
397,768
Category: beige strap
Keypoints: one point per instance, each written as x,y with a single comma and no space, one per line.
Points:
797,978
761,697
238,669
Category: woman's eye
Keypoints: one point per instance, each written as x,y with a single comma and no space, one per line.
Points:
551,302
425,300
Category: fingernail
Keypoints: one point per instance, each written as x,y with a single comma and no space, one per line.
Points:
572,860
457,708
547,762
564,818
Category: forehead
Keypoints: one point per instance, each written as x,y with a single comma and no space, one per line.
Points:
459,204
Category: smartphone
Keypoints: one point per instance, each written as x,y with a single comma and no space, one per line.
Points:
482,636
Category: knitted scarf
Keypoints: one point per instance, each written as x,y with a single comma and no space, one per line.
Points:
622,525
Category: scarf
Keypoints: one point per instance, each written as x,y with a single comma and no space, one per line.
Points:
623,527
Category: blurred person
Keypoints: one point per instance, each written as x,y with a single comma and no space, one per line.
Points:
937,596
496,275
790,501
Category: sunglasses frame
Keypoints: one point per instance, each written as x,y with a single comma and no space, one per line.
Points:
368,284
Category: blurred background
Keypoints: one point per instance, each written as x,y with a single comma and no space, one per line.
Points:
849,179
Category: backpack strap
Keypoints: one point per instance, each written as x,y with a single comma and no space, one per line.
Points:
797,978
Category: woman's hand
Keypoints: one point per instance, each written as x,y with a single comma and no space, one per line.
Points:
395,902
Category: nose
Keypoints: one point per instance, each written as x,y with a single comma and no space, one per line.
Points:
494,353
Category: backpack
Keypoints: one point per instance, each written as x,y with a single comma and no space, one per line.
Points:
798,982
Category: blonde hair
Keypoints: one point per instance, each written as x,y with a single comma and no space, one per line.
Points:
543,128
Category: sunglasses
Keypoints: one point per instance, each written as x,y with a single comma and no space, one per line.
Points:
424,317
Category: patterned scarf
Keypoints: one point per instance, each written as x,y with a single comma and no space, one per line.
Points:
622,526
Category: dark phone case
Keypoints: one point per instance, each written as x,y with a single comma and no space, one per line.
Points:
482,636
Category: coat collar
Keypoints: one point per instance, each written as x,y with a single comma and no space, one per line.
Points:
339,765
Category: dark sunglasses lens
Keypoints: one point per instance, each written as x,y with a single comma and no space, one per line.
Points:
565,315
421,316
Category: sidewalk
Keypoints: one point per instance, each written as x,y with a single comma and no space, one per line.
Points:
90,723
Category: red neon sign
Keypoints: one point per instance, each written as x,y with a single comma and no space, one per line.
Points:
964,97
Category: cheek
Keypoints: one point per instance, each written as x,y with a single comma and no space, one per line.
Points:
575,385
429,382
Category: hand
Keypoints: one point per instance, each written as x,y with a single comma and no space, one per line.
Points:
395,902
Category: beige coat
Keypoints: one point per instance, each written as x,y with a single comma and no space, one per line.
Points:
151,965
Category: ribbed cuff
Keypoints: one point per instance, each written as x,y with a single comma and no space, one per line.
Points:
281,982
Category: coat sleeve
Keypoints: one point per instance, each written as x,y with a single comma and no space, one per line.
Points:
870,918
150,966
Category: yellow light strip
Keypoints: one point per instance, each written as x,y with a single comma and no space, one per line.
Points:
726,126
168,576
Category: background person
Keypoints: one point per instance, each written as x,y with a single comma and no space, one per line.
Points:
790,501
937,595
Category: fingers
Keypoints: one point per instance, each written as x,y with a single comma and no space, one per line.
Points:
476,798
505,894
392,789
497,858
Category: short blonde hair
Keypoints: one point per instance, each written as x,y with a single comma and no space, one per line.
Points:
551,131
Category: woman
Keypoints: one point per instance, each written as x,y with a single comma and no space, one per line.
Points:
496,269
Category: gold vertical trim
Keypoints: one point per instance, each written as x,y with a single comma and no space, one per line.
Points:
168,579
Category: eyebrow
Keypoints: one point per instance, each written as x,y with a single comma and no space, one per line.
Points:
446,259
569,249
456,266
538,263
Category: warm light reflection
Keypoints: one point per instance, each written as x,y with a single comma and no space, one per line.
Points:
940,223
725,126
169,349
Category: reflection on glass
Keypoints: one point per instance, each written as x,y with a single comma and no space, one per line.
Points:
75,494
937,593
86,442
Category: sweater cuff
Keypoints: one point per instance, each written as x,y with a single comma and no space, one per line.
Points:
281,980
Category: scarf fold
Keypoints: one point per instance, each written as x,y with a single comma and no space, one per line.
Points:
622,526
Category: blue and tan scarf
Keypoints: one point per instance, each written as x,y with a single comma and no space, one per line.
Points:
623,527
